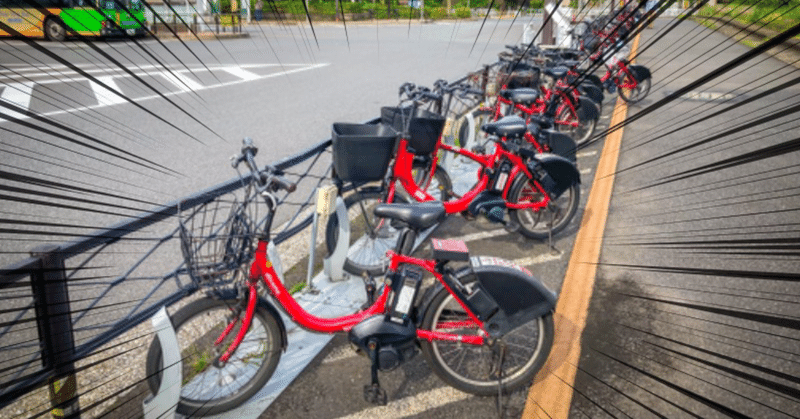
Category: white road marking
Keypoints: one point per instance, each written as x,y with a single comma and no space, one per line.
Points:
182,82
586,171
241,73
534,260
104,96
92,68
482,235
141,99
586,154
410,406
16,94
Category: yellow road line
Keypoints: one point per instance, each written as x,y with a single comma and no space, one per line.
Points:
551,394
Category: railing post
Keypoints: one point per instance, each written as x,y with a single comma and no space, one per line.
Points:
53,319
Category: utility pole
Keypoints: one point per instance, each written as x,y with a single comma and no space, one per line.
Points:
547,31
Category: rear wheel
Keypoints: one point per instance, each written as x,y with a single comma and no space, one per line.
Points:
370,236
635,94
55,30
556,216
474,369
207,388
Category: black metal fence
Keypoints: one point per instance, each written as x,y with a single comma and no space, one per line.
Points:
66,303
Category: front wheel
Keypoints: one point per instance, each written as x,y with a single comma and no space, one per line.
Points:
370,236
635,94
208,388
518,355
549,220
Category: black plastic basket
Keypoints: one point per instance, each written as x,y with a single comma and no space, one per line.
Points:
217,238
361,152
424,127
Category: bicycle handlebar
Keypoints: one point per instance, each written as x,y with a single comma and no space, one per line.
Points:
269,178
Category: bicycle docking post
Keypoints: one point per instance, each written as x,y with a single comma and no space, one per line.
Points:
334,263
163,404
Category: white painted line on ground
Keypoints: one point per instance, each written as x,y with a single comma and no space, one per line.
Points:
17,94
534,260
241,73
412,405
182,82
482,235
104,96
92,68
586,171
144,98
586,154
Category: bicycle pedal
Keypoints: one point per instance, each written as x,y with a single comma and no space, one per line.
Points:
375,395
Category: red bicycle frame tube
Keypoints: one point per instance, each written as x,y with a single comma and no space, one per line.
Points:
262,268
402,172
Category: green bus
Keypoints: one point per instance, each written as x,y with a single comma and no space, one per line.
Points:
57,19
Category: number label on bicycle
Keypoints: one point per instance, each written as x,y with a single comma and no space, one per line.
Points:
477,261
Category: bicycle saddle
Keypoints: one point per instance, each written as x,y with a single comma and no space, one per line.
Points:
556,72
524,95
419,215
510,126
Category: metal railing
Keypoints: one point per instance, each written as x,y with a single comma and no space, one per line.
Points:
77,305
83,294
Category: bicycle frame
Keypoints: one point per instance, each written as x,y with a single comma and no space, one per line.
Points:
263,269
403,166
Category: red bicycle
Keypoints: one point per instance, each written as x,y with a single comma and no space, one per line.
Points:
484,327
540,192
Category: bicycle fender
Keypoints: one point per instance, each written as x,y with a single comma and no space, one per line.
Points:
587,110
561,144
592,92
518,294
594,79
639,72
561,173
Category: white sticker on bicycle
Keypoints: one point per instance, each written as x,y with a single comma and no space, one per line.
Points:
477,261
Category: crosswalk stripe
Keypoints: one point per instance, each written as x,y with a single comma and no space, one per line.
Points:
182,82
104,96
17,94
241,73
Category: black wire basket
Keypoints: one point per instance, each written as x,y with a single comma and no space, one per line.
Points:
217,238
423,127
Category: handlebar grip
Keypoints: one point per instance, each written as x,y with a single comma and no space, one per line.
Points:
279,182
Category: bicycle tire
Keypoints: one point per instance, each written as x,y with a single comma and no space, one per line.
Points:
582,133
367,252
195,327
469,367
636,94
536,224
440,187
